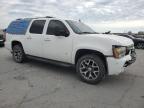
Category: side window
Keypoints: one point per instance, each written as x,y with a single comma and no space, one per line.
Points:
18,27
37,26
56,25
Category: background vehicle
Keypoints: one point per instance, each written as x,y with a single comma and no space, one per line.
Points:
71,42
1,40
138,42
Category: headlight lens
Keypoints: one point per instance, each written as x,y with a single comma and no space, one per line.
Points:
119,51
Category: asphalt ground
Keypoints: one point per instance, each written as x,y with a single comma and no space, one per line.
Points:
36,84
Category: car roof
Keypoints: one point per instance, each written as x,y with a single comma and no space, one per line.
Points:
47,17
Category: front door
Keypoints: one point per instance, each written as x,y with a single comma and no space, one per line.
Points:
58,42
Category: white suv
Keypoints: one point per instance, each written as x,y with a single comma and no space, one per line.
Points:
65,41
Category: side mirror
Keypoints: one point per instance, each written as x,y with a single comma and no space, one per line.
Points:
61,32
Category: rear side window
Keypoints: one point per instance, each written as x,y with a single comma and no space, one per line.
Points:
37,26
18,27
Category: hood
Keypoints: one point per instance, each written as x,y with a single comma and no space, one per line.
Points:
117,40
141,39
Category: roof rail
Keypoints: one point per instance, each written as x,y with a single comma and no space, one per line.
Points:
36,17
49,17
43,17
19,19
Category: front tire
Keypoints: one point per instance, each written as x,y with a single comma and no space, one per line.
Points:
90,69
18,53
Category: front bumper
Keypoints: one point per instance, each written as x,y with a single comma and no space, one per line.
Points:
116,66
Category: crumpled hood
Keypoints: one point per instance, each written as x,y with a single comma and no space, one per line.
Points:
117,40
140,39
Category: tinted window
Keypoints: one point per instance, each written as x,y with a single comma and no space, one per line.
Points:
55,24
37,26
18,27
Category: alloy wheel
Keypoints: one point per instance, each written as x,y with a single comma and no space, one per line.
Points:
89,69
17,53
140,45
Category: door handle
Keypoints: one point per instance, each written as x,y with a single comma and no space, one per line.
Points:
47,39
29,38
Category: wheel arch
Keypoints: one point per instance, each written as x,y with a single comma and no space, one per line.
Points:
15,42
82,52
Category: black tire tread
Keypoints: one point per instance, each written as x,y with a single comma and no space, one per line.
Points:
100,63
23,53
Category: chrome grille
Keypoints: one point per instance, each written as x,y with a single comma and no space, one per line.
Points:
130,49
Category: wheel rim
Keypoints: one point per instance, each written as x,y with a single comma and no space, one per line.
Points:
140,45
17,54
89,69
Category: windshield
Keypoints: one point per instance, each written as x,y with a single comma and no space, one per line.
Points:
80,28
131,36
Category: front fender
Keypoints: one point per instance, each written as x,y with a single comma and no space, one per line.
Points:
104,50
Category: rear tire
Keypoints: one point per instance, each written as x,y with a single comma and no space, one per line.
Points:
90,69
18,53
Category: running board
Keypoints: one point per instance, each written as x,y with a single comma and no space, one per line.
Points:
50,61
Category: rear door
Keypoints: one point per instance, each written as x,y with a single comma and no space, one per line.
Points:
34,38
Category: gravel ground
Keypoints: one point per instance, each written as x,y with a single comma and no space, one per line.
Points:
36,84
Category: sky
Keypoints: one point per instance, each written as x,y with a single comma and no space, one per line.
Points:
101,15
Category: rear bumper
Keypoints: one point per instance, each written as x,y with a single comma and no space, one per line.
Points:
1,42
116,66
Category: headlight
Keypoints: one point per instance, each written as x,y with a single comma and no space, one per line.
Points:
119,51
